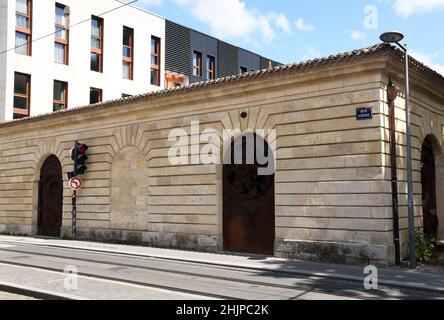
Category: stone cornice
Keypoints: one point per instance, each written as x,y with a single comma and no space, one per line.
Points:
227,90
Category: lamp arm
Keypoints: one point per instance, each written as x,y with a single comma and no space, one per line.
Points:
401,46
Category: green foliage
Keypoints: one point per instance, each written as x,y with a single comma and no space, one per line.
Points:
425,247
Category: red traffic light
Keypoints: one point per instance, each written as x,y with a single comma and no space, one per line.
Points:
81,149
78,154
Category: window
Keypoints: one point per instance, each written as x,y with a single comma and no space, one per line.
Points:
60,95
243,70
61,34
155,61
96,44
127,53
23,27
197,64
95,95
211,64
22,95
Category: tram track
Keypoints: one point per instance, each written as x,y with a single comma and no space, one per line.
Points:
55,296
197,276
314,284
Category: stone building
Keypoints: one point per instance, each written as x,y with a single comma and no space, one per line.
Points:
330,198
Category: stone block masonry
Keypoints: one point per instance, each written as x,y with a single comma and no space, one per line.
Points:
332,180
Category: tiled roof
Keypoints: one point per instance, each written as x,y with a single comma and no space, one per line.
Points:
350,56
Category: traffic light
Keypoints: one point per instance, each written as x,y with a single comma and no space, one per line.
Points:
78,155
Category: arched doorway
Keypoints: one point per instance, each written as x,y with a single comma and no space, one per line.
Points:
248,202
428,179
50,208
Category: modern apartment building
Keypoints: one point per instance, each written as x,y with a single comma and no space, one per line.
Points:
192,56
46,66
58,54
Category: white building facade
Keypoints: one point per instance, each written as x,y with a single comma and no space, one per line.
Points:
69,53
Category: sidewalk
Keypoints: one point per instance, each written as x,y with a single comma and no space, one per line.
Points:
387,276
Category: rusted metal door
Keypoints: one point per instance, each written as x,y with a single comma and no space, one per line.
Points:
428,174
50,198
248,208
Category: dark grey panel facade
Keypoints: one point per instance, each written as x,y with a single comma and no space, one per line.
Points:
177,48
181,42
208,47
228,59
249,60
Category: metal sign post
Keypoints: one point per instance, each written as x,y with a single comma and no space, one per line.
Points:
74,214
75,184
79,156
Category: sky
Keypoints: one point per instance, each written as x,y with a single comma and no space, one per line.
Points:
295,30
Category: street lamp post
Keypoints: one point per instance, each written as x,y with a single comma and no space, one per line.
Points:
395,37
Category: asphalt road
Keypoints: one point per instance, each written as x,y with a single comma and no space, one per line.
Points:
108,276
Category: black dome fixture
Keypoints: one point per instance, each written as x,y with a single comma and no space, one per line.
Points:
391,36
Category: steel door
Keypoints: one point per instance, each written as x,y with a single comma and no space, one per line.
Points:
50,198
248,209
428,175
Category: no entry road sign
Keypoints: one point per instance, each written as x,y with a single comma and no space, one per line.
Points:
75,184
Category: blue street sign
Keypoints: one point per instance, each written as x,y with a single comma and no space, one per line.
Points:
364,113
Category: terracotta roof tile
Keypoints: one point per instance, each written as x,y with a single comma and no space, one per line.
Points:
284,69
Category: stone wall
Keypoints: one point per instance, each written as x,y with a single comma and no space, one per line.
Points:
333,194
427,119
